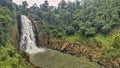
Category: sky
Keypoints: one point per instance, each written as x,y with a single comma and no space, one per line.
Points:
38,2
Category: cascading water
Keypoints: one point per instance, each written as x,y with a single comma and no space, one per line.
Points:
27,37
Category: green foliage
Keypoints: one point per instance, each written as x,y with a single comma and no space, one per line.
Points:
25,4
116,41
59,35
62,4
7,20
56,34
5,24
89,17
109,54
112,51
45,6
106,28
10,58
90,31
7,3
104,40
70,30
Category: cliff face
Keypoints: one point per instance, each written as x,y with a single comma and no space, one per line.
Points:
15,36
68,47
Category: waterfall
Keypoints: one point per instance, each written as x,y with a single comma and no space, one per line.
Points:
27,37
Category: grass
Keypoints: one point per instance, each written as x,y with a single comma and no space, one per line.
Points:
54,59
105,40
78,38
71,38
115,30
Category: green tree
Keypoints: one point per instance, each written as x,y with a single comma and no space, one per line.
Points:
25,4
70,30
62,4
5,25
7,3
106,28
45,6
90,32
116,41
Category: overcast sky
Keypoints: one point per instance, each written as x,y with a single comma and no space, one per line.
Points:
38,2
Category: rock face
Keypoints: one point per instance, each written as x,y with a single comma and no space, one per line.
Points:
68,47
15,36
27,36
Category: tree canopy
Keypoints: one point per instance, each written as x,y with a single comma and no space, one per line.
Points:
87,16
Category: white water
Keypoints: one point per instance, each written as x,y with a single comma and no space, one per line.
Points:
27,37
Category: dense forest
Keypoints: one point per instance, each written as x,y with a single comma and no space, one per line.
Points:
88,17
77,21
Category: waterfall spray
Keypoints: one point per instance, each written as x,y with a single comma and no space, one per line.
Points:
27,37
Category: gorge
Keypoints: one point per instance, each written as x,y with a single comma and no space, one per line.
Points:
43,57
75,34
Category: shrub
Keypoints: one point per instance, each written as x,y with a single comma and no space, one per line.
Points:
116,41
54,32
70,30
59,35
105,29
90,31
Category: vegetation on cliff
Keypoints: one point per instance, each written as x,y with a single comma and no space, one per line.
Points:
10,57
